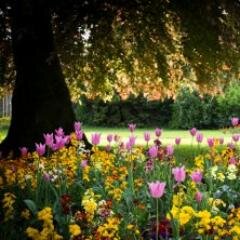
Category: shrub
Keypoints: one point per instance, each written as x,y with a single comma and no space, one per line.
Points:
228,105
190,109
119,112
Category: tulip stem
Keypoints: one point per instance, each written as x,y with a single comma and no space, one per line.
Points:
157,220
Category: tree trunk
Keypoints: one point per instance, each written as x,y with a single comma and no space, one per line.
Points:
41,100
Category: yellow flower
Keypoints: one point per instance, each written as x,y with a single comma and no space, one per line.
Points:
185,215
25,214
74,230
45,214
220,177
32,233
235,229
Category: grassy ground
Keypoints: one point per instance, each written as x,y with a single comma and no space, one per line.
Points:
168,135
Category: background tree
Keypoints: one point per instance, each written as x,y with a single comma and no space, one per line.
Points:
103,46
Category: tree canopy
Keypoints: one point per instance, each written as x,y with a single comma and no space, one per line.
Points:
151,45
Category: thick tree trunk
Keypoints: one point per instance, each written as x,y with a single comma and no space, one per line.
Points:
41,101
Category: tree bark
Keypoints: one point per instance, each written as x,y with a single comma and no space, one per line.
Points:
41,100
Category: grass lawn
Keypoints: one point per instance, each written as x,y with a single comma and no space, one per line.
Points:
168,135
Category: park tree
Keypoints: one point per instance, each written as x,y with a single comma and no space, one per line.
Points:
107,46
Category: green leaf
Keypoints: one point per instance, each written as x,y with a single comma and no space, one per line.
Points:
31,205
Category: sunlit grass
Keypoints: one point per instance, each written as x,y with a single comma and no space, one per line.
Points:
168,135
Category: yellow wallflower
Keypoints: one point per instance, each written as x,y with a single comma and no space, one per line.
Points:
74,230
8,202
25,214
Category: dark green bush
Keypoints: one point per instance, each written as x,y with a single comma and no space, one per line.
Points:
121,112
229,105
192,110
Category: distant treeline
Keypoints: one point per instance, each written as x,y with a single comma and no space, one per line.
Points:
190,109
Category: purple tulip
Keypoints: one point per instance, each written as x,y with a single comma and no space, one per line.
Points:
149,165
96,138
158,132
59,132
231,145
210,142
48,139
193,131
109,138
59,142
79,135
169,150
47,177
128,146
131,127
235,121
84,163
147,136
199,137
24,151
177,140
233,160
235,137
153,151
198,196
179,174
132,140
108,148
40,149
157,189
196,176
77,126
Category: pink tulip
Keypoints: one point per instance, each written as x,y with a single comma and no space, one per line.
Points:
109,138
40,149
210,142
48,139
149,165
235,121
231,145
199,137
47,177
84,163
77,126
59,132
96,138
24,151
158,132
108,148
198,197
131,127
157,189
193,131
196,176
169,150
179,174
130,143
233,160
60,142
235,137
177,140
147,136
79,135
153,151
132,140
128,146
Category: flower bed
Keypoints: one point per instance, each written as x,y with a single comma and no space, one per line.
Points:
122,191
